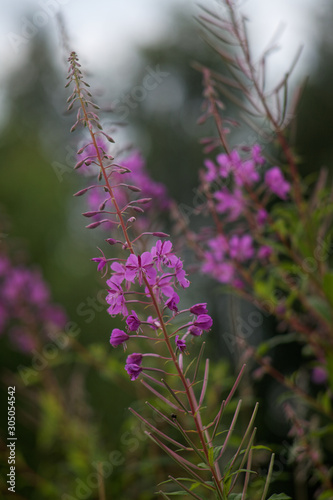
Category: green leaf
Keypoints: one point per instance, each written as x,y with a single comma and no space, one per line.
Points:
211,456
326,495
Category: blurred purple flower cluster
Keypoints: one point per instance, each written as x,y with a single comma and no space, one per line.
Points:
241,210
26,311
136,174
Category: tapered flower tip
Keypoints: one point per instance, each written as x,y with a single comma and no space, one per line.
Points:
199,309
133,322
203,321
134,359
133,371
118,337
180,343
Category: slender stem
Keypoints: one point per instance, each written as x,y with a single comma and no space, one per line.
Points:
194,410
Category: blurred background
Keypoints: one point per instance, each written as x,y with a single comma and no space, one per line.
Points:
118,43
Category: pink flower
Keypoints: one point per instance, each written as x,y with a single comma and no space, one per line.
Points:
118,337
180,343
256,155
246,174
199,309
135,358
133,322
230,202
275,181
133,370
203,321
162,254
265,252
172,302
140,266
262,216
211,175
241,247
194,330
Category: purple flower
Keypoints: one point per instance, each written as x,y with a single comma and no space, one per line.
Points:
275,181
262,216
172,302
133,322
161,252
180,343
180,274
230,202
319,375
137,265
194,330
153,323
241,247
116,299
135,358
203,321
246,174
133,370
265,252
221,271
211,175
119,272
224,164
256,155
118,337
199,309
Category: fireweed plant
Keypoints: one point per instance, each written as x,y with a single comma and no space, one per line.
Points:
144,287
269,239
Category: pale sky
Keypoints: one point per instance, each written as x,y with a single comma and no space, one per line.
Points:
104,32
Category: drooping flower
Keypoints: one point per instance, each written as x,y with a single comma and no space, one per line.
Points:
172,302
181,275
199,309
275,181
135,358
203,321
133,371
118,337
133,322
195,330
180,343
